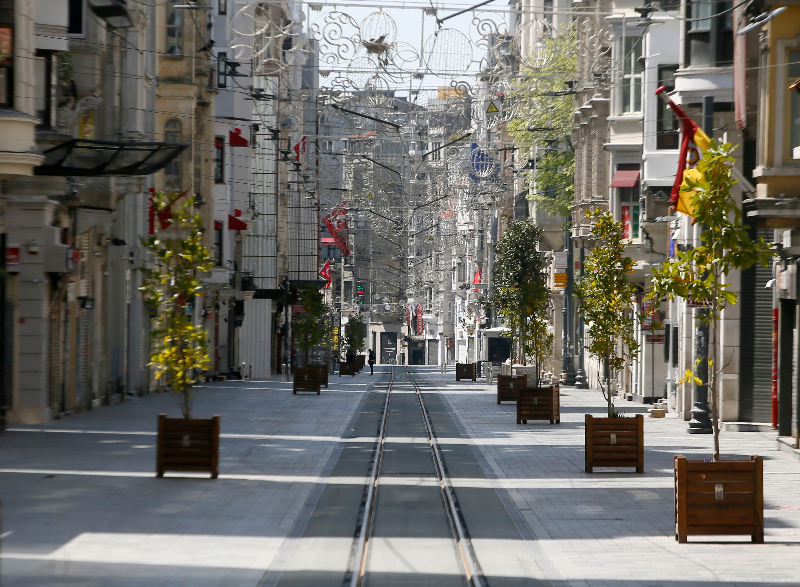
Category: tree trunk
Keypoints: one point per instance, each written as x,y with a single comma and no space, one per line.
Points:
712,372
606,375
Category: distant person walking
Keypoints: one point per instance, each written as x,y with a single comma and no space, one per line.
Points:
371,361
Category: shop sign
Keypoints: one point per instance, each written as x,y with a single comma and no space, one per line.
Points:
560,279
12,255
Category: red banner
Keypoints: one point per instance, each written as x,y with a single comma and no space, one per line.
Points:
336,222
325,272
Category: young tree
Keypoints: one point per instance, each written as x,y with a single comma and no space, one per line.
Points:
311,326
605,295
699,274
542,120
355,335
180,351
520,295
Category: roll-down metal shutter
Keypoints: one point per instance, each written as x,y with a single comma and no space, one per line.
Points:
755,379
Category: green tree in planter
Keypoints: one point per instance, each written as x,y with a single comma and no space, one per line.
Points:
520,294
355,335
180,347
605,295
311,326
699,274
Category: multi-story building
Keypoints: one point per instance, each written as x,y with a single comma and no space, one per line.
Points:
76,91
767,67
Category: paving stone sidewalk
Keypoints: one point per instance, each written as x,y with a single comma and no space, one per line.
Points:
81,505
614,528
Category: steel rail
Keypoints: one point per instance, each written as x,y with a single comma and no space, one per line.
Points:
469,559
359,556
358,561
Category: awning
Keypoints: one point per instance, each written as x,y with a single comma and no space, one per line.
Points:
625,178
236,224
83,157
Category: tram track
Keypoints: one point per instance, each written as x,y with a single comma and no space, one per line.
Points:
360,560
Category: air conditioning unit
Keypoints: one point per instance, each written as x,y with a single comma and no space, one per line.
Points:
57,259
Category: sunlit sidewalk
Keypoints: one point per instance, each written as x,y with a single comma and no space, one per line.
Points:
81,504
615,527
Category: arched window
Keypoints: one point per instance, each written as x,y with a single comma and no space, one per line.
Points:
172,172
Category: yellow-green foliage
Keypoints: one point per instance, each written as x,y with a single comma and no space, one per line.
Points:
543,118
605,294
701,273
180,348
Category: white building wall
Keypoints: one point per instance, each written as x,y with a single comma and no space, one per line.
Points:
255,346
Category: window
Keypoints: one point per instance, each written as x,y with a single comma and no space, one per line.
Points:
222,8
217,246
632,75
7,53
222,70
548,12
666,122
436,152
629,209
219,160
709,33
172,172
44,99
794,73
76,17
174,29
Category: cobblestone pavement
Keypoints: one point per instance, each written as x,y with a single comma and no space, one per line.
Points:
614,527
81,505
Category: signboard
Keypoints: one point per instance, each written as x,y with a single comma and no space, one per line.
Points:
560,279
493,108
560,260
420,322
12,255
297,308
335,338
654,336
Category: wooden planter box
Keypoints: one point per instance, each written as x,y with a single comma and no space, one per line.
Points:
306,379
726,497
508,387
187,445
348,369
615,442
538,403
360,361
466,371
322,372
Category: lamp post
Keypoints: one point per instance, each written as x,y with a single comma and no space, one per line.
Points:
581,382
700,422
567,367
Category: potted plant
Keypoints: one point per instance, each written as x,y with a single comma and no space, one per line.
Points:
172,287
353,343
717,497
311,328
521,297
605,295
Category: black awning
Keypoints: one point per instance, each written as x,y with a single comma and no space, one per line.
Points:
83,157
